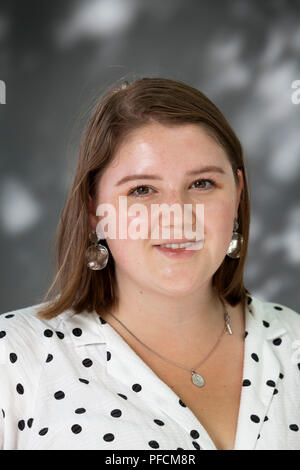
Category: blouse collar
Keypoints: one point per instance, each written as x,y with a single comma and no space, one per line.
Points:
261,367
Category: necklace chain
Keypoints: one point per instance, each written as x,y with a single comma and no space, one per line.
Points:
226,328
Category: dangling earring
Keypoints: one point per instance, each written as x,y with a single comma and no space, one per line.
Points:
96,255
236,242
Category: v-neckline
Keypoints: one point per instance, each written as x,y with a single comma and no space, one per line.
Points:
254,400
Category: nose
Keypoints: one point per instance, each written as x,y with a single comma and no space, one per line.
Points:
179,217
174,196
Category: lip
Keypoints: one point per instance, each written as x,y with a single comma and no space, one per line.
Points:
183,240
179,252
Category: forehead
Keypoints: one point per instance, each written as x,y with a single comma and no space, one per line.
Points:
160,142
167,148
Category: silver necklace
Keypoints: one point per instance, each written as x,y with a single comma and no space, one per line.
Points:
197,379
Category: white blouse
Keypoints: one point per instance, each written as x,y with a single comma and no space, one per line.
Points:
73,382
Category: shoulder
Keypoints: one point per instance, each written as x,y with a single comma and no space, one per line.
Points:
26,342
23,316
24,331
275,312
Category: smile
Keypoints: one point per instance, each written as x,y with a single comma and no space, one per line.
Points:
180,250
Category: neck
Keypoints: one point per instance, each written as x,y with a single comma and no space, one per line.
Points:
185,320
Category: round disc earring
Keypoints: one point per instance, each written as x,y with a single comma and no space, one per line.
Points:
96,255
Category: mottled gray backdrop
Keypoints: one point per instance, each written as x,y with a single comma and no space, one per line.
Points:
57,56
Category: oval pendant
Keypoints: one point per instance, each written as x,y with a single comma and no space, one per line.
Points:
197,379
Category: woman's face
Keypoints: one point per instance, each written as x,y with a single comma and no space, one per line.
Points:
168,154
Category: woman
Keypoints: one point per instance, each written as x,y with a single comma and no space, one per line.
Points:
149,344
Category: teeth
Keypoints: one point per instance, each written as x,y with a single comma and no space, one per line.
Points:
174,246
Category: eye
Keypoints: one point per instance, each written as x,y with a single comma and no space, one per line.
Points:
212,183
138,194
135,192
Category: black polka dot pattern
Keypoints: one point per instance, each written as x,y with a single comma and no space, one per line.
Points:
48,333
13,357
194,434
76,428
122,396
59,395
159,422
136,387
255,357
20,389
49,358
84,381
21,424
153,444
87,362
255,418
72,381
80,410
246,383
77,332
270,383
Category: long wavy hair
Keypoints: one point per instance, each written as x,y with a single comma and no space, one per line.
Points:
122,109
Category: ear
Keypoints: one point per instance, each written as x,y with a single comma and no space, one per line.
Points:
92,215
239,191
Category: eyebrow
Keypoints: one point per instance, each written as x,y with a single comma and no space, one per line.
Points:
205,169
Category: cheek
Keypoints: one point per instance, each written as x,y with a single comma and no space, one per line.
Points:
126,253
128,219
218,222
125,223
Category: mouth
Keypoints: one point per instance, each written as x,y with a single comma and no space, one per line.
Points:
176,249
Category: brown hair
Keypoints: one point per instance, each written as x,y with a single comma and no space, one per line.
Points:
121,110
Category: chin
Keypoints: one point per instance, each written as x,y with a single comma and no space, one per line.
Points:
176,290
